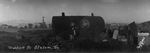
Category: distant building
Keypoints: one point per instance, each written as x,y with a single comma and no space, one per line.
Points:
43,24
30,25
24,25
7,26
34,25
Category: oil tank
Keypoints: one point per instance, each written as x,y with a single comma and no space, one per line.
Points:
87,27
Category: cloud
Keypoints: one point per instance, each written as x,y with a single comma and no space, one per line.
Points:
4,6
110,1
13,0
1,5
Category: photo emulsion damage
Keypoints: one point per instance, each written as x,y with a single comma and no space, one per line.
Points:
74,26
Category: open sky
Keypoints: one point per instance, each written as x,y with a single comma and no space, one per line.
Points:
113,11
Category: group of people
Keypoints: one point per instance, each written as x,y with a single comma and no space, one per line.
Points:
124,31
113,33
128,32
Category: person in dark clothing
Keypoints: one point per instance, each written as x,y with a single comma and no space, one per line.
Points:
109,32
73,31
123,31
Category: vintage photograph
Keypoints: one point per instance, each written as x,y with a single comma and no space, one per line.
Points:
75,26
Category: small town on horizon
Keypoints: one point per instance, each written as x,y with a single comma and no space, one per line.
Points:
42,24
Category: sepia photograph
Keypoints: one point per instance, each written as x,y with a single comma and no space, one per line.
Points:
113,26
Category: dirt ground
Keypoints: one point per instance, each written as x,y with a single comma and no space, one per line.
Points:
8,40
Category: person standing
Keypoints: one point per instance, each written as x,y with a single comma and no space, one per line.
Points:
73,32
115,34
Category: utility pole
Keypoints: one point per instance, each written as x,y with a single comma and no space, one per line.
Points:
43,20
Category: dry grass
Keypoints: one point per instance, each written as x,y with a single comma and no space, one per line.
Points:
35,38
30,39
